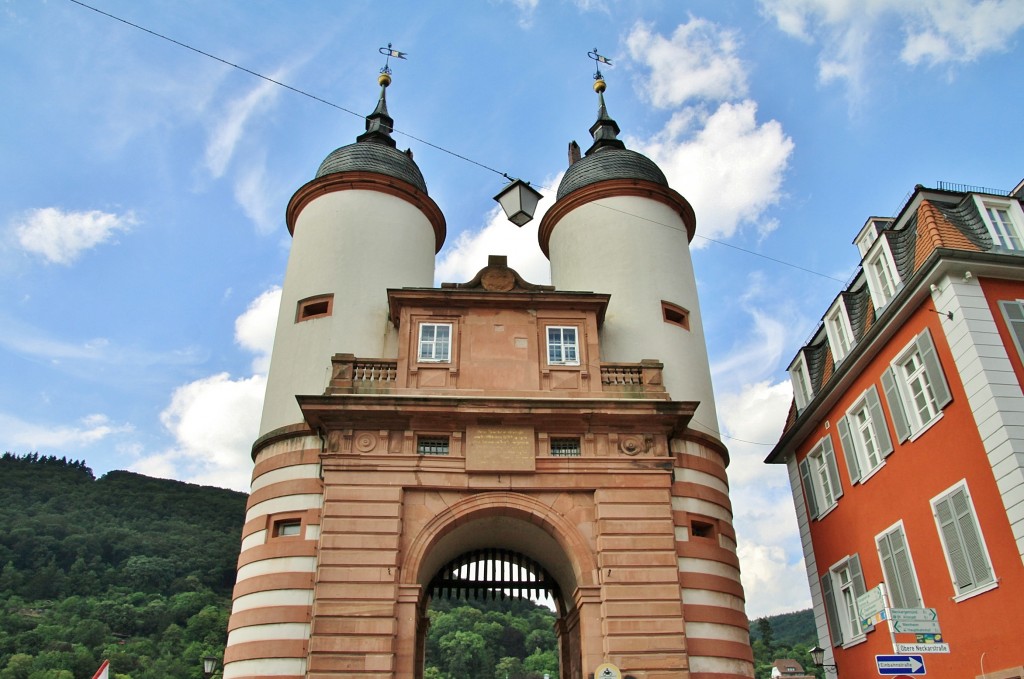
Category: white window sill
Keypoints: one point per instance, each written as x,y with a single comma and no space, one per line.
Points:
828,511
856,641
975,592
434,360
871,473
928,425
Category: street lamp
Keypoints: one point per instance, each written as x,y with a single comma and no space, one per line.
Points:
209,665
818,658
519,201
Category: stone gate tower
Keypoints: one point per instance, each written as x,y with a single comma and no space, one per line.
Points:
413,437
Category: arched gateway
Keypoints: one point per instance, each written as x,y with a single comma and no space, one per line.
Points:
413,437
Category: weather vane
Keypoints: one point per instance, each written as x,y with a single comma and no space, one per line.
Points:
388,52
599,60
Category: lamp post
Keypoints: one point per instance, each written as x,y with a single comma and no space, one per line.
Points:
519,201
818,658
210,665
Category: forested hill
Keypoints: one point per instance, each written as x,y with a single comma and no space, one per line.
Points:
126,567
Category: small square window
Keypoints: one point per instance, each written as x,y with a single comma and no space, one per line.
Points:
314,307
563,346
432,445
565,447
287,528
435,342
702,529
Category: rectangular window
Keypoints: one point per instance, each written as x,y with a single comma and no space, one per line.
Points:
432,445
966,554
675,314
821,478
435,342
837,327
840,587
915,387
287,527
1013,314
565,447
898,568
801,383
563,347
314,307
1001,227
881,279
864,436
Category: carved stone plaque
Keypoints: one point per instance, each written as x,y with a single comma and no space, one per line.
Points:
500,449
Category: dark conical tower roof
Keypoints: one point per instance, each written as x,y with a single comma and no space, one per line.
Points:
374,150
608,157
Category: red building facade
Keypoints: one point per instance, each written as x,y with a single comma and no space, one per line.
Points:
905,442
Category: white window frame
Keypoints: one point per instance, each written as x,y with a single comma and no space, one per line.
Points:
569,350
869,234
438,351
916,399
841,585
898,568
864,436
1013,314
839,331
1006,234
880,257
820,475
800,376
960,533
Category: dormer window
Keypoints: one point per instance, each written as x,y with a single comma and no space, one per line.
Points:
881,274
1003,219
801,382
837,327
869,234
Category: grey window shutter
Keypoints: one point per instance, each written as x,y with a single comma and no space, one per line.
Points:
849,452
831,612
891,576
934,369
895,401
878,420
954,546
805,474
829,455
975,552
857,578
904,572
1013,312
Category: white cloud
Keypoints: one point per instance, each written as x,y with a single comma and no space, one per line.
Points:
254,329
936,32
231,125
61,237
773,581
498,236
215,419
258,197
88,430
699,61
727,165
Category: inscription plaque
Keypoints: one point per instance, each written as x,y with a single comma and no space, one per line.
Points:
500,449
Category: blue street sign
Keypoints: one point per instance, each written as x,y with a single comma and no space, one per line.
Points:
900,664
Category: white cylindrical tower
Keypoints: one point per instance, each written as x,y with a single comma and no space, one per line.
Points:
363,225
617,227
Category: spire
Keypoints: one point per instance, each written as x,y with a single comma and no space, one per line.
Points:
379,124
605,130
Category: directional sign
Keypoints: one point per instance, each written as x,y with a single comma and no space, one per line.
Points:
913,615
922,648
916,626
900,664
871,603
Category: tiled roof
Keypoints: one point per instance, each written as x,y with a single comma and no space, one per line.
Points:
609,163
955,224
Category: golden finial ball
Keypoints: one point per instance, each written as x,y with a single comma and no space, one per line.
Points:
384,79
600,86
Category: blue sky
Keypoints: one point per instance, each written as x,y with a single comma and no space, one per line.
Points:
142,233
